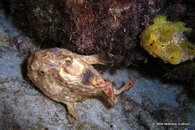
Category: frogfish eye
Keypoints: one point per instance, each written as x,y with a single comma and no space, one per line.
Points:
42,72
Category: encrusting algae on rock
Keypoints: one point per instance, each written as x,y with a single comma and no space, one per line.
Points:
166,40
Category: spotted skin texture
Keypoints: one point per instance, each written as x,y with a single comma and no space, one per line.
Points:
67,77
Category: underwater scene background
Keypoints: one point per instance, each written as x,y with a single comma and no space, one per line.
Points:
152,41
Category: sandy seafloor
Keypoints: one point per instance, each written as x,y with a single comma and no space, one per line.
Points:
150,104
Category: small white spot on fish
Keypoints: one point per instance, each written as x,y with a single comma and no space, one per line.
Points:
56,52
